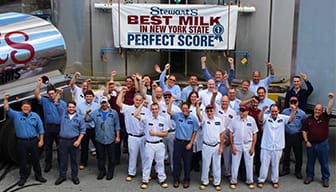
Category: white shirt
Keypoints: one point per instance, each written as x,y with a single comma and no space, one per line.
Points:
163,112
243,129
274,132
158,124
133,124
212,128
206,95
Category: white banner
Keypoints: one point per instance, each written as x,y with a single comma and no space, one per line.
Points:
164,26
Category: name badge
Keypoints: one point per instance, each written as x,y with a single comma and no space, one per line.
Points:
249,124
217,123
189,122
270,121
161,125
208,122
280,120
150,124
220,112
231,116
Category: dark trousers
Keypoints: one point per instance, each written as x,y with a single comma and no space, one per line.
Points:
104,150
293,141
49,138
196,158
181,153
90,134
257,162
27,151
67,149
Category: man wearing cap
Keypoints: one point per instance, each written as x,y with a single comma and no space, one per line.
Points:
186,129
71,134
155,129
107,129
243,137
293,139
212,149
315,134
169,140
272,142
89,126
135,132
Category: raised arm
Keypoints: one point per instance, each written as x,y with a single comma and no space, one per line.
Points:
121,96
198,111
5,103
138,110
74,79
38,88
261,114
292,114
330,103
169,109
205,71
163,75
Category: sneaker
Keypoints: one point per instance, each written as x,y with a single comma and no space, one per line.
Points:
144,186
325,183
21,182
93,153
233,185
275,185
129,178
260,185
250,185
164,184
307,180
60,180
218,187
40,179
81,167
75,180
203,187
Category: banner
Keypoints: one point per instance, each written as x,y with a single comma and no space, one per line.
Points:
164,26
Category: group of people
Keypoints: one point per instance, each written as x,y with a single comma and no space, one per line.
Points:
165,123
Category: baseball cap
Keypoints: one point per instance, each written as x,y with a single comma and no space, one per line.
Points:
167,93
103,99
209,107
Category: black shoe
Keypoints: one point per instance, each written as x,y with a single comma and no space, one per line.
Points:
47,167
283,173
75,180
298,175
101,175
109,176
40,179
60,180
21,182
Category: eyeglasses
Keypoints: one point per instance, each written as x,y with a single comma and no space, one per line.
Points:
242,110
167,96
172,80
209,110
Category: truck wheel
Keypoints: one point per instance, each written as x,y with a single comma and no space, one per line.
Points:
8,142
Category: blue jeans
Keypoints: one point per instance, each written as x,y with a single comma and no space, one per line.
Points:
320,151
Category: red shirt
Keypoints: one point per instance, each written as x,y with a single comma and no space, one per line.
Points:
255,115
129,96
317,129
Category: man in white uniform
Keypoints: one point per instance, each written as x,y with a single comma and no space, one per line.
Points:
155,129
135,131
273,142
243,137
213,141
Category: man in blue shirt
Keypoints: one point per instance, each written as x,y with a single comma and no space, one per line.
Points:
256,82
185,133
29,134
71,133
193,81
51,120
222,79
90,134
293,139
107,128
171,85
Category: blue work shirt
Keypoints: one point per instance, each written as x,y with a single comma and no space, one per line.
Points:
175,90
185,126
295,126
221,86
50,112
262,83
105,130
26,126
267,102
81,110
70,127
186,91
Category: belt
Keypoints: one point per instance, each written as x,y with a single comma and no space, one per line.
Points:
210,145
71,138
141,135
182,141
52,125
171,130
154,142
26,139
